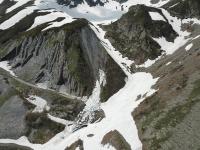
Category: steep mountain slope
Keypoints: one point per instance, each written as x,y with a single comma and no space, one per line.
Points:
133,34
99,74
184,9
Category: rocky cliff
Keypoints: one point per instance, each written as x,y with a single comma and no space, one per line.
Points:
70,56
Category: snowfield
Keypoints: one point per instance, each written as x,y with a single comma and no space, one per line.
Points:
119,107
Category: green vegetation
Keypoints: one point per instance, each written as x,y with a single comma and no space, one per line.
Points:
41,128
171,119
177,114
5,96
72,59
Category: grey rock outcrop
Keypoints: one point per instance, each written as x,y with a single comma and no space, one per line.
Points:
13,147
17,118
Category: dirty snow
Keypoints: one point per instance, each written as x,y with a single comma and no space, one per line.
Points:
16,18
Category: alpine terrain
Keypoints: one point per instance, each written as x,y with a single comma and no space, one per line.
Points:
99,74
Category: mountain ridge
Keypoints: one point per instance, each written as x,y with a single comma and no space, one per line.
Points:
99,74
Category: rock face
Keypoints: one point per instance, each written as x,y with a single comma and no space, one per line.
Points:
132,34
13,147
5,5
184,9
76,145
69,57
12,111
115,139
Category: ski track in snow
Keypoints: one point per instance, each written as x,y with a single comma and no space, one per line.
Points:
121,104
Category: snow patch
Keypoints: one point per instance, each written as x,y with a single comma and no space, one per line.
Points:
40,103
50,17
189,46
18,4
156,16
16,18
167,64
196,37
6,66
59,120
148,63
181,40
43,85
